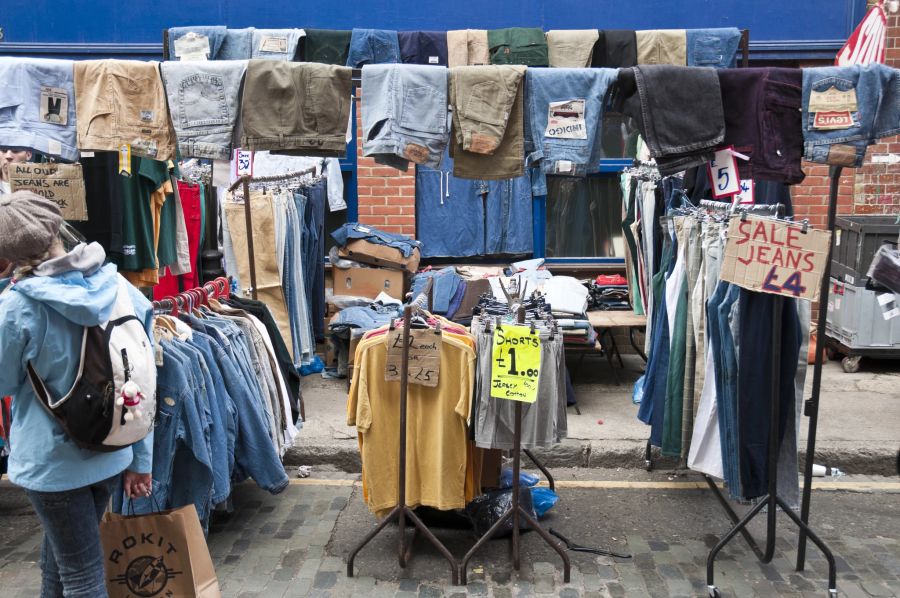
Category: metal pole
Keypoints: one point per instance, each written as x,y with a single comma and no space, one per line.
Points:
248,219
401,490
811,408
745,48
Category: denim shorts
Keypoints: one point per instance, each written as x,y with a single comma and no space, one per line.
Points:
37,106
565,111
713,47
404,114
373,46
203,102
845,109
772,138
275,44
184,41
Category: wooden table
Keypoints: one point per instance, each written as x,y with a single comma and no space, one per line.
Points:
605,321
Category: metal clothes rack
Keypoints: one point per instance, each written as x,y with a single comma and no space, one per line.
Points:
516,511
402,511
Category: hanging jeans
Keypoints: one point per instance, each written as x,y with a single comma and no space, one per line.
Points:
719,311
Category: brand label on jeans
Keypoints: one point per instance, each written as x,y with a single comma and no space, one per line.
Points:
54,105
833,100
274,43
434,60
832,120
565,120
192,46
416,153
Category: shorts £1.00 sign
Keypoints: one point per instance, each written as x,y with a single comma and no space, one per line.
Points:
515,364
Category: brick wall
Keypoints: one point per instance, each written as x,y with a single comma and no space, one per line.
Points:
387,196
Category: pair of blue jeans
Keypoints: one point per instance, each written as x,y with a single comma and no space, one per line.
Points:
719,309
71,553
373,46
314,256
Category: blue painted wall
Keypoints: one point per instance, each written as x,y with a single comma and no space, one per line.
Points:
779,28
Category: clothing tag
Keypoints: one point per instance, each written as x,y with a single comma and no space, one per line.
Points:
747,195
364,229
54,105
158,353
54,147
565,120
841,154
837,238
243,163
416,153
564,166
87,154
145,148
723,174
434,60
274,43
832,120
192,46
125,165
833,100
147,116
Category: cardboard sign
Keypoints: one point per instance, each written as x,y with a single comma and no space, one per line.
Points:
515,364
424,357
723,174
775,257
61,183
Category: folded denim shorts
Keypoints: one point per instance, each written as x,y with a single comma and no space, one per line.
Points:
203,100
123,102
48,124
405,114
846,109
296,108
713,47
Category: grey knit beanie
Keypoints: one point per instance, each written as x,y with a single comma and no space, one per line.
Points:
28,225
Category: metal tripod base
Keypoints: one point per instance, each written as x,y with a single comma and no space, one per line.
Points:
405,551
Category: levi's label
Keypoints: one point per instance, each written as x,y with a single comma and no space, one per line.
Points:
54,105
192,46
274,43
434,60
565,120
831,120
833,100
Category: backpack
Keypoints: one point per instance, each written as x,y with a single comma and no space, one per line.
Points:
112,403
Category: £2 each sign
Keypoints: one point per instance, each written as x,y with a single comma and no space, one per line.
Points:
776,257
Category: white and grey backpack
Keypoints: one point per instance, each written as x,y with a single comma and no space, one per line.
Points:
112,403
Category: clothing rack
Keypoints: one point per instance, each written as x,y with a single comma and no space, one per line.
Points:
188,299
516,511
402,510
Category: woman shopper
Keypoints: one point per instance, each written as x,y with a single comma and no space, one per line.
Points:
52,295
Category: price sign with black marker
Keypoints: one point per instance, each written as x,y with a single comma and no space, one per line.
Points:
424,357
515,364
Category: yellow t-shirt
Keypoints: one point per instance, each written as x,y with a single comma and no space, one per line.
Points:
440,465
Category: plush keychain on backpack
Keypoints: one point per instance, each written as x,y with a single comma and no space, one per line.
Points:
131,397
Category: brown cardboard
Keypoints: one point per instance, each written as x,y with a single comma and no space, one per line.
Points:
774,256
364,252
62,184
368,282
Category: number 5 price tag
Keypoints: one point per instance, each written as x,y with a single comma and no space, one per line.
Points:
515,364
243,163
723,174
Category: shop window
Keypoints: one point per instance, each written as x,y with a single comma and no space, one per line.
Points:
584,218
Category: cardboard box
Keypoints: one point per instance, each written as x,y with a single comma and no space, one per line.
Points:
364,252
368,282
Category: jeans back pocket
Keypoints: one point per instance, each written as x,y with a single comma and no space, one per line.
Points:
201,101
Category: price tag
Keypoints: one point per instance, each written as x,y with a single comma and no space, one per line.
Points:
243,162
747,195
125,160
723,174
515,364
424,357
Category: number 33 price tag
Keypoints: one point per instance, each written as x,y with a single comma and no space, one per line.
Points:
723,174
515,364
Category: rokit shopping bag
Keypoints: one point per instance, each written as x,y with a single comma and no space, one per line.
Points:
160,554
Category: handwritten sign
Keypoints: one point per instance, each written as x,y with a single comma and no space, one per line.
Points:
775,257
723,174
243,163
62,184
424,357
515,364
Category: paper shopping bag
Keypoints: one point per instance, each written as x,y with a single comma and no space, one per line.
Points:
159,554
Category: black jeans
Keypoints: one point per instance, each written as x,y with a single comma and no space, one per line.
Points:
71,554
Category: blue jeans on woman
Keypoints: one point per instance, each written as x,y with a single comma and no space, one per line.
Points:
71,553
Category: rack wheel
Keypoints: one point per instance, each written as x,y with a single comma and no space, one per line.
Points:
648,465
851,363
714,592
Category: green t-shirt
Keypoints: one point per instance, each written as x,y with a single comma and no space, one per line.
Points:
138,243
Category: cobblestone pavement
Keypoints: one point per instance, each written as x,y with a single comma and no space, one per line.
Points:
295,544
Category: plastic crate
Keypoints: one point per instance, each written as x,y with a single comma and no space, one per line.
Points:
857,238
855,318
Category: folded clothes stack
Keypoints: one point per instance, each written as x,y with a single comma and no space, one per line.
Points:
608,292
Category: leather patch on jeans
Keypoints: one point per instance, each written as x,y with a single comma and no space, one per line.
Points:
416,153
483,144
841,155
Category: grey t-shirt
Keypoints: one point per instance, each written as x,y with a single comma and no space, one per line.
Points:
543,422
